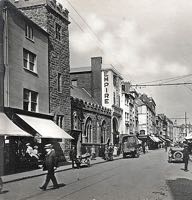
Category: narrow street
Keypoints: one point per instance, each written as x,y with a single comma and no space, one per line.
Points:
149,177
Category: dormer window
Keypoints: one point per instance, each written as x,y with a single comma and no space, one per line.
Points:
28,32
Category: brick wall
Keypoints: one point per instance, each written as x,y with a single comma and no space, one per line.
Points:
96,92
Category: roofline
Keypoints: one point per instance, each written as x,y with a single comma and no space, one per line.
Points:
111,68
10,5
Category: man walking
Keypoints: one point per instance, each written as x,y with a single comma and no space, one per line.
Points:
50,165
186,156
73,156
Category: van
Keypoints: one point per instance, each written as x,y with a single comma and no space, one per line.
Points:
130,146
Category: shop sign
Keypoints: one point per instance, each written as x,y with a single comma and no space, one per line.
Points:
106,87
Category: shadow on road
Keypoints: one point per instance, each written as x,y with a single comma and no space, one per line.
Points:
181,188
4,191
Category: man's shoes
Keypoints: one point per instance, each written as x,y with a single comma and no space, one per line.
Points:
42,188
55,186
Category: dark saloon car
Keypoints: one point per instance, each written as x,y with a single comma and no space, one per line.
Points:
175,154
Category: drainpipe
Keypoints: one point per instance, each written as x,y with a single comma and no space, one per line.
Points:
2,74
2,66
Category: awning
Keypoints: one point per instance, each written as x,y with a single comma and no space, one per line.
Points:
45,127
8,128
154,139
189,136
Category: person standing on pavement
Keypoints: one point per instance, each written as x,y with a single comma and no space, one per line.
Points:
143,147
165,146
186,157
50,164
73,156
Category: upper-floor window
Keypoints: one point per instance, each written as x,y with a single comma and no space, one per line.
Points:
59,84
30,100
115,80
114,98
28,32
58,31
60,121
29,60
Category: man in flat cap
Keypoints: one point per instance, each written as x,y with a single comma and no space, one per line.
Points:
186,156
50,165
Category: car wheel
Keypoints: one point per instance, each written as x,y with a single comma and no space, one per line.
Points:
178,155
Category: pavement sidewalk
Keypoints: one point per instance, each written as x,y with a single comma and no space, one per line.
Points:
40,172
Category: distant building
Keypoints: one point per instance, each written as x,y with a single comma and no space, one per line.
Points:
130,109
146,115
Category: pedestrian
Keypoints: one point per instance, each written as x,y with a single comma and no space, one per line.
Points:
73,155
1,184
186,157
143,147
93,155
165,146
50,164
29,150
115,150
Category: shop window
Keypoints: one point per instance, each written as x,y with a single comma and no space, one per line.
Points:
30,100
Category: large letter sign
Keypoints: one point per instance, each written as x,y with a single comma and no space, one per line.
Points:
106,84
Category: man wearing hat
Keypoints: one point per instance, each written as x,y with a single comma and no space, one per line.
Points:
186,156
50,165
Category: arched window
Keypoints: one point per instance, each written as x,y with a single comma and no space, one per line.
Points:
103,132
88,134
75,121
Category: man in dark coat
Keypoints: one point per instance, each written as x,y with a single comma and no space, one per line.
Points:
186,156
50,165
73,155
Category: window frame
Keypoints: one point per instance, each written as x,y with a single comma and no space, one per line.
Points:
59,82
30,100
29,34
27,62
58,31
60,121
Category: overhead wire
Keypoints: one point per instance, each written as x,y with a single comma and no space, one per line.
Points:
101,44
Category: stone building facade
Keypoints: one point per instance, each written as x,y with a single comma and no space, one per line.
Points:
51,16
91,122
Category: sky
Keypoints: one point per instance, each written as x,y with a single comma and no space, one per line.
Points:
148,41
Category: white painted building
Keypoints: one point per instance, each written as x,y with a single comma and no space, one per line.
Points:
130,109
111,98
146,115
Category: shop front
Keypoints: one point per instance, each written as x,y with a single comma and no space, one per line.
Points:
25,137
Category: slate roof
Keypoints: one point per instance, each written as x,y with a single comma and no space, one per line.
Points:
82,94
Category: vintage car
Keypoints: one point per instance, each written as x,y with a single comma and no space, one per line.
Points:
130,146
175,154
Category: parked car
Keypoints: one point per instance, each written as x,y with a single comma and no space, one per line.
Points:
130,146
175,154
